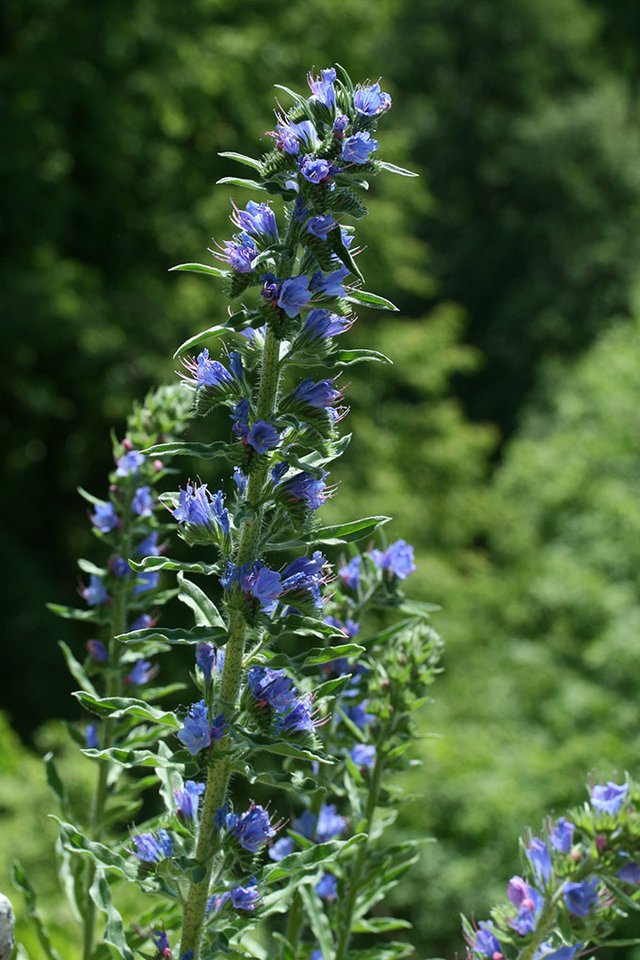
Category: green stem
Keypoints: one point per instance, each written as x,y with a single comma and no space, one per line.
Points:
219,767
353,882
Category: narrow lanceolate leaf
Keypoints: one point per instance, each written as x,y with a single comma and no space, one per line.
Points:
88,567
280,781
240,157
181,448
370,300
95,615
177,637
201,337
241,182
55,782
114,935
133,758
200,268
326,654
166,563
386,951
392,168
204,609
347,358
307,860
117,707
380,925
318,920
23,884
283,748
77,670
76,842
331,688
334,535
302,626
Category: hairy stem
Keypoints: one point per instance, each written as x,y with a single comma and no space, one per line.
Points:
219,766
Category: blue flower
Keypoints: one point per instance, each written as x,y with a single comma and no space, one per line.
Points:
318,394
327,887
241,480
320,324
609,797
561,836
340,124
95,593
161,943
299,718
242,898
143,622
294,294
207,373
529,903
142,672
257,581
315,170
188,800
364,755
241,423
263,436
358,148
290,136
200,508
305,574
630,872
129,463
330,823
149,546
546,952
146,582
272,688
320,226
397,558
358,715
307,489
350,573
209,659
370,101
198,731
97,651
540,859
581,898
91,736
258,220
330,284
239,253
104,518
151,848
119,566
322,87
281,848
142,503
253,828
486,942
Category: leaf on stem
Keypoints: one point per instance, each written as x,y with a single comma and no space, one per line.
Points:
118,707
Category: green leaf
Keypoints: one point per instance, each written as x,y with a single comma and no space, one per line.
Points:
302,626
240,157
418,608
117,707
283,748
182,448
200,268
177,637
89,497
392,168
205,611
55,782
23,884
347,358
384,951
113,935
76,842
318,920
334,535
77,670
331,688
281,781
202,337
343,254
380,925
371,300
133,758
326,654
88,567
166,563
95,615
307,860
294,96
71,873
241,182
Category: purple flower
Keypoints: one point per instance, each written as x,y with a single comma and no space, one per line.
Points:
307,489
130,463
188,800
119,566
290,136
142,503
322,87
546,952
239,253
330,823
149,546
241,480
609,797
350,573
581,898
320,324
327,887
340,124
561,837
151,848
320,226
357,149
630,872
330,284
97,651
299,718
142,672
350,628
258,220
314,169
305,574
540,859
294,295
257,581
370,101
91,736
146,582
397,558
200,508
529,904
318,394
198,731
364,755
281,848
161,943
209,659
272,688
242,898
252,829
207,373
358,715
143,622
263,436
104,518
95,593
486,942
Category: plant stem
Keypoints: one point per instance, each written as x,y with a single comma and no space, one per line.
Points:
219,765
353,882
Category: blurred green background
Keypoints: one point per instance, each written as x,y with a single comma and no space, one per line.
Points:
505,440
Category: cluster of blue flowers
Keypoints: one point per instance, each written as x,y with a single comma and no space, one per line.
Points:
274,691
